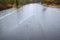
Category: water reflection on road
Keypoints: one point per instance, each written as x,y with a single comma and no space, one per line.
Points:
37,22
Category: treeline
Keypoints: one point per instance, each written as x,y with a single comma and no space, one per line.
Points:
57,2
4,4
12,3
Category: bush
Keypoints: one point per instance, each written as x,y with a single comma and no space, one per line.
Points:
51,1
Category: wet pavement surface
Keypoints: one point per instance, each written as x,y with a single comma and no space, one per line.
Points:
35,22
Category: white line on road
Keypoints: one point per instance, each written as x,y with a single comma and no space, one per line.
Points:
7,14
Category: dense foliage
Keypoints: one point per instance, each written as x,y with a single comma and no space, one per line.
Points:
51,1
9,3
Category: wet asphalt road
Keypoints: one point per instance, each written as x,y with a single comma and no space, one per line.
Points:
35,22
